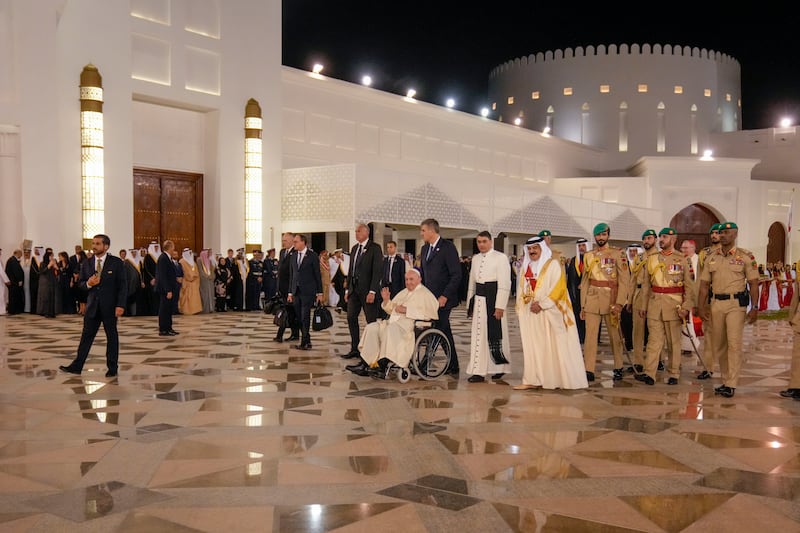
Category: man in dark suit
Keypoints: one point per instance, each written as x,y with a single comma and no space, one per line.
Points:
305,287
285,259
16,280
441,274
363,285
574,269
167,288
106,282
394,270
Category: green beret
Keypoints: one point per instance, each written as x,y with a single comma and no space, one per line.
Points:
648,232
728,225
667,231
600,228
545,233
714,227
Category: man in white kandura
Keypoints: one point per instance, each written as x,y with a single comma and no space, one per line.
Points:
550,345
489,285
393,339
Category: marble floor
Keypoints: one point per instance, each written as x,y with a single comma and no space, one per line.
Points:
220,428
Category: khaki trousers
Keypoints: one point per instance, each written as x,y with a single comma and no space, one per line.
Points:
728,318
663,333
709,354
638,338
590,342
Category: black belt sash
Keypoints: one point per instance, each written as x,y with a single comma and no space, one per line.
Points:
494,326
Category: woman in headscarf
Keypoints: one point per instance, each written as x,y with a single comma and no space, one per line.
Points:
206,267
189,302
550,344
222,279
48,286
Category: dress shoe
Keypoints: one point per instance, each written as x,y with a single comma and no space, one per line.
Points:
647,380
359,370
498,375
166,334
661,366
705,374
728,392
790,393
350,355
69,370
278,338
293,338
672,381
635,369
172,331
306,346
356,366
111,374
720,388
476,379
589,376
617,374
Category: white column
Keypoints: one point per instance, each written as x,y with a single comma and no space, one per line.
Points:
11,229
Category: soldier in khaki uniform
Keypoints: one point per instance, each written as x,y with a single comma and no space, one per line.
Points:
794,320
709,357
604,290
668,293
731,274
636,299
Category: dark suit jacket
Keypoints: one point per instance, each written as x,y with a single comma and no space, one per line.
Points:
306,280
365,274
111,292
398,282
441,273
166,276
285,271
574,281
14,271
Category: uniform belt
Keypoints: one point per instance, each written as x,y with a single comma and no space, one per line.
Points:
728,296
599,283
668,290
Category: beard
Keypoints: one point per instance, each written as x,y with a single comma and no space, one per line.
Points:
647,245
601,242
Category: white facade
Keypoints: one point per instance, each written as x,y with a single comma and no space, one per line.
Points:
177,75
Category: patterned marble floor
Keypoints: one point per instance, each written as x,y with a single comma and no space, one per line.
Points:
222,428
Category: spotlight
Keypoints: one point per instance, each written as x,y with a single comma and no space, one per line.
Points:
366,80
317,68
411,93
786,122
485,112
517,121
546,130
450,103
707,155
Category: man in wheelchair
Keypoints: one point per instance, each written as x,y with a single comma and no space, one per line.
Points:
392,340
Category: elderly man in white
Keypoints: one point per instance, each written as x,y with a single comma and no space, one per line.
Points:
393,339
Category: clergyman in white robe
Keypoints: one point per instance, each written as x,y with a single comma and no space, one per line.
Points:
393,338
492,266
550,344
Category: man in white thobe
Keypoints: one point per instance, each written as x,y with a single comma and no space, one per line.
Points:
393,339
487,294
689,342
550,344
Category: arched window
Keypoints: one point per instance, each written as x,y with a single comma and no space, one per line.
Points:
661,133
623,127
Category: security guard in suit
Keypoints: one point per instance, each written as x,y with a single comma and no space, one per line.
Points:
604,290
730,276
709,356
637,300
668,293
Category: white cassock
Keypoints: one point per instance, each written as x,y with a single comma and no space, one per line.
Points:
394,338
550,344
3,289
333,296
493,266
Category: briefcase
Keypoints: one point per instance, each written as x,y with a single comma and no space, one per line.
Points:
279,316
322,318
271,305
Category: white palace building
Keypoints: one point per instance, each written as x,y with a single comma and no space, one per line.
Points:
156,119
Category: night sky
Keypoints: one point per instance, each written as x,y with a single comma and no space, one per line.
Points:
446,49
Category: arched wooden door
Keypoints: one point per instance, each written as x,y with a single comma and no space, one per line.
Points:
776,246
693,222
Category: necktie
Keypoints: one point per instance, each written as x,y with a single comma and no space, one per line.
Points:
99,267
391,263
428,256
299,258
358,256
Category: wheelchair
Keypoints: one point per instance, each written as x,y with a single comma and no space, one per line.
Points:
431,356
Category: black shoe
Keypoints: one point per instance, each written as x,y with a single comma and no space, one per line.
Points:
617,374
498,375
589,376
790,393
306,346
350,355
661,366
111,374
647,380
672,381
635,369
686,352
357,366
728,392
293,337
278,338
173,332
717,390
705,374
360,369
69,370
452,372
166,334
476,379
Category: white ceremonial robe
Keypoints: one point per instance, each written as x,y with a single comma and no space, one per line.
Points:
3,289
550,344
491,266
26,286
394,338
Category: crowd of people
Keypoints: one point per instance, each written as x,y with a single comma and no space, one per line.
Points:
654,300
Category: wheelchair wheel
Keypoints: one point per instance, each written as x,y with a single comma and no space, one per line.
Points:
403,375
432,354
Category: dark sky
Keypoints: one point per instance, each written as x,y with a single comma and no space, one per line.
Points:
444,49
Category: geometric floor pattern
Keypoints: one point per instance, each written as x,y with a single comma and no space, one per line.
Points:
222,429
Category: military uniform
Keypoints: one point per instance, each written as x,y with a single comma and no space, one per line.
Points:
255,278
638,303
709,355
667,286
605,283
728,275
